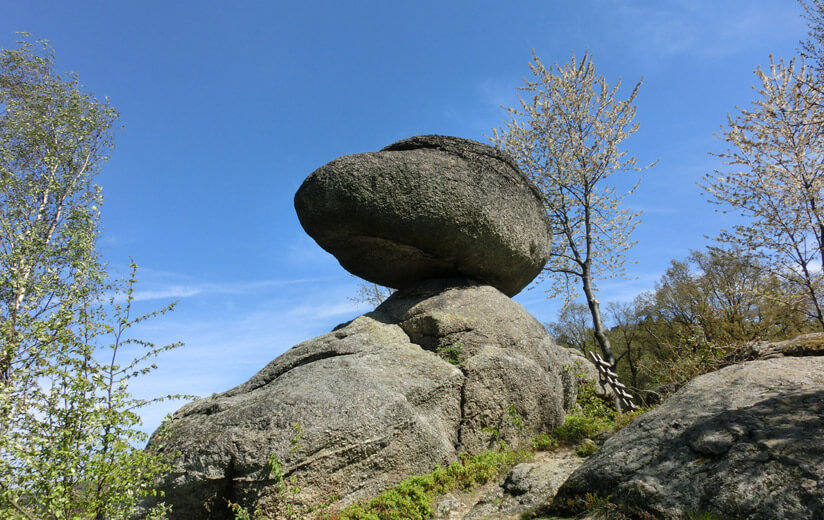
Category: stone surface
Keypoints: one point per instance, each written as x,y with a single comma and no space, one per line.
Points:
521,490
745,442
804,345
352,412
428,207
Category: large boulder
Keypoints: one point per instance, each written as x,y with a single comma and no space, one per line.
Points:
745,442
428,207
441,368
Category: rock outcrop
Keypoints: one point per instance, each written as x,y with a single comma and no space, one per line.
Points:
524,487
428,207
803,345
443,367
448,364
745,442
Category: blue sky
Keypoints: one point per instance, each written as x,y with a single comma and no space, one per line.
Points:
227,106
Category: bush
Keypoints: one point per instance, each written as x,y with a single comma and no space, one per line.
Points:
578,427
413,498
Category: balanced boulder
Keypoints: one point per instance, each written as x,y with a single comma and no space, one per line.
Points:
428,207
745,442
441,368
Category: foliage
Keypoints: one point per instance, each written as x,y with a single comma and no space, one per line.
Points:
566,137
725,297
544,441
595,415
274,469
703,313
586,448
453,353
812,48
412,499
578,427
53,139
67,420
775,179
69,446
624,420
591,403
574,327
515,417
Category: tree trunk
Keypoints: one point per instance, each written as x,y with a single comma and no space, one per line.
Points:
598,325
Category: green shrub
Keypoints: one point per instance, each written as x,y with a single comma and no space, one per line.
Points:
586,448
623,420
544,441
578,427
452,353
591,403
413,498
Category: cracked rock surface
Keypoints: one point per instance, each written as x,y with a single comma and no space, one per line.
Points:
442,367
745,442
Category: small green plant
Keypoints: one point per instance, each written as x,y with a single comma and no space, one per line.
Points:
492,432
413,498
578,427
623,420
591,403
544,441
294,442
452,353
515,417
586,448
241,513
275,469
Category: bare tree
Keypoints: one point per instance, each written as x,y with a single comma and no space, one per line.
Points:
573,328
566,136
372,294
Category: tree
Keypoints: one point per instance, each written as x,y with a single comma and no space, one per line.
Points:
813,47
372,294
67,420
628,333
566,138
723,297
573,327
53,140
775,179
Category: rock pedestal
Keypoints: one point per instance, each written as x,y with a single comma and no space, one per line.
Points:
448,364
444,367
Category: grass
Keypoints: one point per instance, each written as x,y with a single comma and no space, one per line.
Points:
414,498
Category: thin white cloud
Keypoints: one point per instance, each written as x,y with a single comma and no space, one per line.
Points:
329,310
176,291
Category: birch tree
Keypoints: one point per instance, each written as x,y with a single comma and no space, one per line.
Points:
566,136
68,424
774,178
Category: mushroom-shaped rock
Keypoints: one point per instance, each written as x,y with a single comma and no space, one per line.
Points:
428,207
